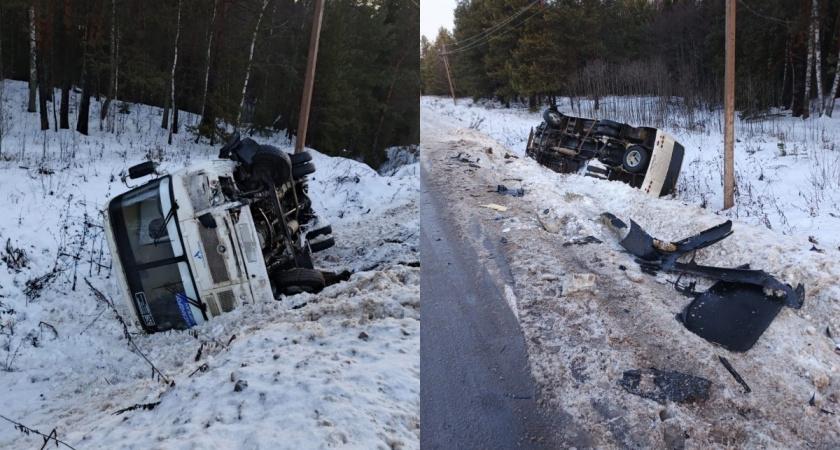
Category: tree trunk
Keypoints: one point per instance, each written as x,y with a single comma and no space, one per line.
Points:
43,85
806,111
829,108
105,111
172,128
63,113
84,105
250,60
394,79
207,68
33,62
815,24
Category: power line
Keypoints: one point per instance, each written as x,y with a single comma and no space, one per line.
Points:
489,38
786,22
496,27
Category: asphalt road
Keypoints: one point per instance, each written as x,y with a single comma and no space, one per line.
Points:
476,390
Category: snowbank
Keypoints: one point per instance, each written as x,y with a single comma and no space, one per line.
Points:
342,368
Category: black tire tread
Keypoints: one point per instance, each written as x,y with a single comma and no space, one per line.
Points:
273,162
322,245
300,158
298,278
301,170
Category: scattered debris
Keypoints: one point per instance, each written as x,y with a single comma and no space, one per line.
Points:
737,309
814,404
654,258
240,386
733,315
551,228
583,241
661,386
499,208
501,189
734,374
576,282
517,396
815,249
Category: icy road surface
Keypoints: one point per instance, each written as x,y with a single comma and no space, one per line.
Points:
580,338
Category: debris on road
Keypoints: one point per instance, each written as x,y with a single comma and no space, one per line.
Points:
737,309
734,374
733,315
576,282
583,241
499,208
661,386
501,189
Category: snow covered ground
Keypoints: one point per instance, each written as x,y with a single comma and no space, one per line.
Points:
582,332
787,170
342,369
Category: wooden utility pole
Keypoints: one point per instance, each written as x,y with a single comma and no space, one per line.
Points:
729,110
309,80
448,76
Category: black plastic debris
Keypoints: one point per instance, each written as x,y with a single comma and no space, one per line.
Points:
614,221
734,374
662,386
733,315
643,245
501,189
814,404
655,255
583,241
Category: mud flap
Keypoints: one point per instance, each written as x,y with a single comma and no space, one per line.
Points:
733,315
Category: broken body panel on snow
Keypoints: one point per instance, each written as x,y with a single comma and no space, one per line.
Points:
643,157
736,310
211,237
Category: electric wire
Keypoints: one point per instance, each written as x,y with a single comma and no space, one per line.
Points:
489,38
486,33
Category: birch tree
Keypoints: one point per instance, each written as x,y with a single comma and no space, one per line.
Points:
815,25
105,111
250,60
829,107
207,66
174,124
33,62
806,111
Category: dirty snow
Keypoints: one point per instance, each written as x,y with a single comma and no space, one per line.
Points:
341,369
588,314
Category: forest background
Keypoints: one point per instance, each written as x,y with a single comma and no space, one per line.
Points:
234,63
535,51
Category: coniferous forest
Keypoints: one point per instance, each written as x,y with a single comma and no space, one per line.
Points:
231,62
534,51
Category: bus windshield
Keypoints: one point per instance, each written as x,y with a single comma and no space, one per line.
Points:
152,255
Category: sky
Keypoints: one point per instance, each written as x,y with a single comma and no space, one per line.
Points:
435,14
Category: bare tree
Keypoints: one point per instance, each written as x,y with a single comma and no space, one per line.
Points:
207,64
815,25
250,60
174,123
806,111
829,107
33,62
105,112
